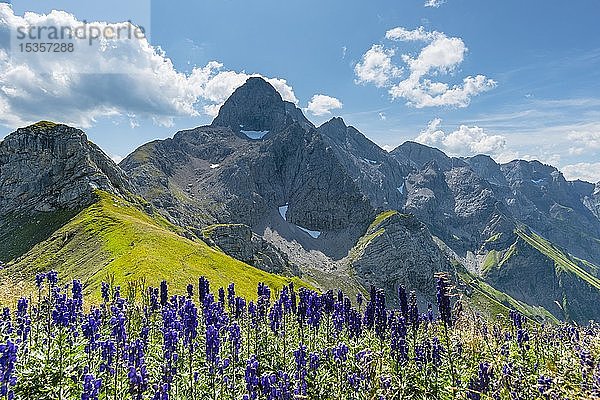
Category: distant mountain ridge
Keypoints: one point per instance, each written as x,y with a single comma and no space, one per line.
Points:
330,205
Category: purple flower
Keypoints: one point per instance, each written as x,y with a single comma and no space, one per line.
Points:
213,345
203,288
340,353
403,301
164,293
104,290
8,358
251,378
23,322
300,358
443,299
91,387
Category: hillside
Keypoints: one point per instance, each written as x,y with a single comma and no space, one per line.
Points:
113,237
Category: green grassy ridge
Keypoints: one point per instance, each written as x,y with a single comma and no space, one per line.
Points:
373,231
562,260
486,298
19,232
114,238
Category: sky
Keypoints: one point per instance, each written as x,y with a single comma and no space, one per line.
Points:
512,79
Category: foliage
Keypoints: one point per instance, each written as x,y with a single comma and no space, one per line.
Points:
296,344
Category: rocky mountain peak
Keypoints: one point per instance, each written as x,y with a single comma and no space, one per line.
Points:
48,166
254,106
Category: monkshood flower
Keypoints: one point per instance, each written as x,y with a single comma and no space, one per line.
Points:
481,384
314,310
190,291
517,319
108,351
354,324
189,320
293,298
91,329
39,280
161,392
164,293
8,359
91,387
275,317
222,296
301,360
105,291
443,300
235,338
22,320
213,346
286,299
77,293
153,295
231,296
329,301
6,321
340,353
137,374
117,324
251,378
240,307
253,313
52,277
170,330
203,288
398,344
359,299
423,352
403,301
303,295
413,310
437,350
338,316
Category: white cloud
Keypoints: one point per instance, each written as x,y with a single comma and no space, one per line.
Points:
432,135
434,3
416,35
376,67
321,105
82,86
589,172
441,55
465,141
584,141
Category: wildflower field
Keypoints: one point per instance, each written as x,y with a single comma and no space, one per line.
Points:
295,344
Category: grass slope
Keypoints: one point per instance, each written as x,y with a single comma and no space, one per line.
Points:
561,259
113,238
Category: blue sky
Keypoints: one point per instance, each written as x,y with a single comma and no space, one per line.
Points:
539,63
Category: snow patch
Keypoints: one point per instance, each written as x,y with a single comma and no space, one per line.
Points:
538,181
255,135
370,161
283,212
213,166
401,188
314,234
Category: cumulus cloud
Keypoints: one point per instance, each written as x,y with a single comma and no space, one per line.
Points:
589,172
584,141
321,105
434,3
82,86
376,67
440,56
465,141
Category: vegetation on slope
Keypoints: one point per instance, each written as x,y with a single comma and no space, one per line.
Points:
561,259
115,238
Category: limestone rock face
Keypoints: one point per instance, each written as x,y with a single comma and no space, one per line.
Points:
399,250
241,243
47,167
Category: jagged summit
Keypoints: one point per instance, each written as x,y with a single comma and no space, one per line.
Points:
257,106
48,167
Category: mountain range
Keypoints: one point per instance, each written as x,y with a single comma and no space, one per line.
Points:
262,194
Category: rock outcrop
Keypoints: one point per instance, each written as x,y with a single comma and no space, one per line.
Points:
47,167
